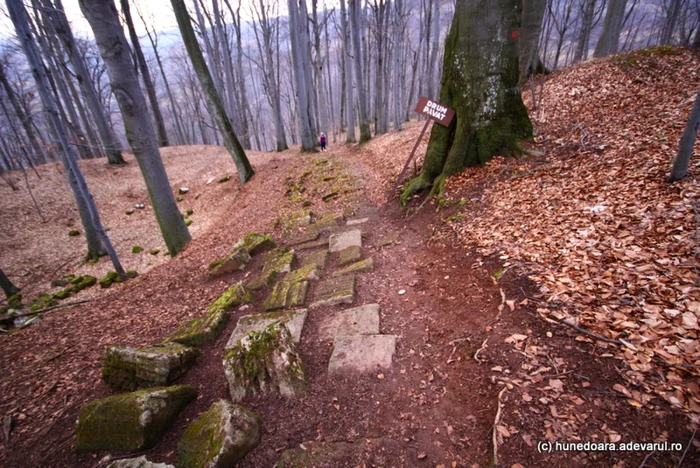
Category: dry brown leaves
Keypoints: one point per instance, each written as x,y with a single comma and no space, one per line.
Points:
611,244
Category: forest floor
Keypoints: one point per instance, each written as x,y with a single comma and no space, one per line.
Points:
588,233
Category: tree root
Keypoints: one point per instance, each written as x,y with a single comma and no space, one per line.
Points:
412,187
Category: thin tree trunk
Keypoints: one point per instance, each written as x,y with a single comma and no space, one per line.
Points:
213,100
104,21
685,147
398,48
354,9
347,63
21,21
8,288
305,113
533,14
584,36
670,22
146,74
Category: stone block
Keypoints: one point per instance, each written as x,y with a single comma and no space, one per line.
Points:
343,240
126,368
363,320
320,259
350,254
362,353
293,319
200,330
232,297
363,265
256,243
335,291
286,295
237,260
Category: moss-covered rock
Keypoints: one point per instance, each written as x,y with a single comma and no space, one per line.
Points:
305,273
73,233
265,362
188,222
335,291
293,319
131,273
237,260
42,302
76,280
232,297
350,254
294,220
81,282
285,295
200,330
320,259
328,221
60,295
363,265
154,251
130,421
279,260
136,249
220,437
126,368
256,243
15,301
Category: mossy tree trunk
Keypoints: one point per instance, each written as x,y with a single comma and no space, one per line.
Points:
480,81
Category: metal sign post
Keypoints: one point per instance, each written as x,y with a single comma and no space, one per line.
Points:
435,113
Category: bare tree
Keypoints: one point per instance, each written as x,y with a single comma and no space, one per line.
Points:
146,75
672,14
612,26
347,64
298,36
104,22
355,29
20,20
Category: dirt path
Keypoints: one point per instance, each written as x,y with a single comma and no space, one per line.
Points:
468,337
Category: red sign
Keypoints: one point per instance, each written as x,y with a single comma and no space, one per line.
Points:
434,111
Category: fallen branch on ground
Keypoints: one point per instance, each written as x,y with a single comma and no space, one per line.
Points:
495,427
47,309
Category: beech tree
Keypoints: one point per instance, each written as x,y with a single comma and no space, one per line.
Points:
347,64
86,204
214,104
299,38
104,21
612,26
355,29
480,81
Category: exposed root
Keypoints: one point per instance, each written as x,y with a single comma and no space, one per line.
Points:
495,426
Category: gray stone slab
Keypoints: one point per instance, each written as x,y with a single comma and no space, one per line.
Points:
350,255
303,238
293,319
354,222
363,265
320,259
363,320
285,295
361,353
335,291
343,240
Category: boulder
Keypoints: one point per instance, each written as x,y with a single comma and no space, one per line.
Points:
293,319
219,437
237,260
265,362
140,462
256,243
130,421
126,368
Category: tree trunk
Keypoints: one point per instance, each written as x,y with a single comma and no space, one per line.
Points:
584,35
213,100
146,74
480,81
529,40
245,107
347,64
354,10
8,288
297,26
114,49
20,20
670,23
685,147
398,49
612,27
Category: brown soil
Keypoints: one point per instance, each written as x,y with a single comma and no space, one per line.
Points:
468,332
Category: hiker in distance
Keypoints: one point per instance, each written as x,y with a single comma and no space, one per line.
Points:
322,141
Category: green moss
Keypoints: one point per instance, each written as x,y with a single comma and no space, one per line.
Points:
76,280
188,222
256,243
202,441
73,233
224,179
155,251
131,273
60,295
136,249
189,212
497,274
200,330
15,301
232,297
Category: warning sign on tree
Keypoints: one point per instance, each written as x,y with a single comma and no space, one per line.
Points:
435,111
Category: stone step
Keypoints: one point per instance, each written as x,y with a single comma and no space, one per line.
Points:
363,320
361,353
356,221
293,319
363,265
343,240
335,291
286,295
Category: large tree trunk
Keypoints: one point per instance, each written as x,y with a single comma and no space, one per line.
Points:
57,18
355,13
146,74
245,108
612,26
81,193
347,63
8,288
398,49
480,81
213,100
114,49
685,147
